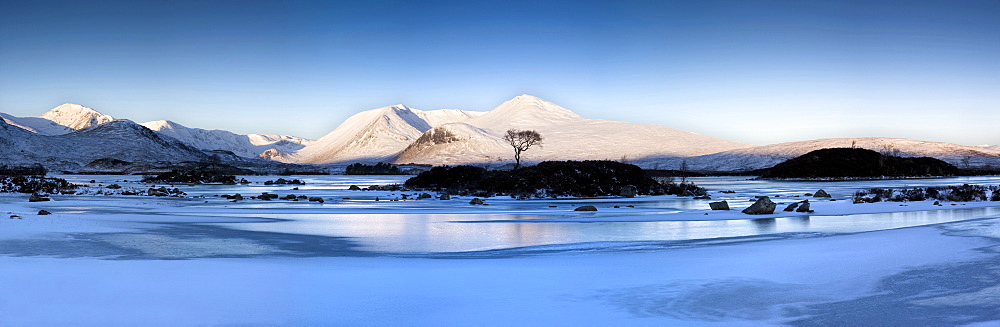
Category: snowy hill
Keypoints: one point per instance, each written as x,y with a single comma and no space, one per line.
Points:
770,155
268,146
376,135
75,116
567,136
60,120
118,139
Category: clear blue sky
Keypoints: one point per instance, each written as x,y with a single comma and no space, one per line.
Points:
760,72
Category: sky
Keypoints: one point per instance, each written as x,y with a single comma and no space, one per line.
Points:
759,72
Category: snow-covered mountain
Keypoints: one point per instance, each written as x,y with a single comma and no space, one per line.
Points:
63,119
770,155
567,136
75,116
376,135
69,117
268,146
118,139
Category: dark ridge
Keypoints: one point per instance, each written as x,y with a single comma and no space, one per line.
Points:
857,163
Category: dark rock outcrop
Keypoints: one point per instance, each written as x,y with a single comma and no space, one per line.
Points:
763,206
721,205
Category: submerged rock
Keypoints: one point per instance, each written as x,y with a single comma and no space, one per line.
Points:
585,208
763,206
721,205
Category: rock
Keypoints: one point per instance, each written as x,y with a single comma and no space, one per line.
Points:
937,203
703,197
791,207
445,197
43,212
721,205
35,197
289,197
821,194
585,208
476,201
354,188
316,199
628,191
803,207
424,196
763,206
237,196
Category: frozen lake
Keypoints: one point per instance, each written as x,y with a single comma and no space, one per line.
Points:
353,261
510,227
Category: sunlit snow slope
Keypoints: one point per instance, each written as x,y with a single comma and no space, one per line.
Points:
567,136
268,146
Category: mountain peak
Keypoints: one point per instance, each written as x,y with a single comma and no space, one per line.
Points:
526,111
76,116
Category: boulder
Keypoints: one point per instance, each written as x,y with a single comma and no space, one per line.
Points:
445,197
316,199
43,212
354,188
424,196
821,194
791,207
763,206
476,201
803,207
628,191
237,197
35,197
721,205
585,208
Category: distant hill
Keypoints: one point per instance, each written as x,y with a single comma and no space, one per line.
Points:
760,157
853,162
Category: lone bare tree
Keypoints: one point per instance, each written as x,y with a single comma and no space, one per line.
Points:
521,141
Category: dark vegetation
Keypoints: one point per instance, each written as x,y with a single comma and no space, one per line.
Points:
857,163
380,168
549,178
282,181
29,170
34,184
964,193
199,174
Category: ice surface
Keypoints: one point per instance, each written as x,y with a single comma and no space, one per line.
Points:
100,261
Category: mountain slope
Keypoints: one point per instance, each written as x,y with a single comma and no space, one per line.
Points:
770,155
36,125
250,145
119,139
567,136
376,135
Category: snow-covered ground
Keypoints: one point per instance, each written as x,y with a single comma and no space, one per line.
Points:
201,260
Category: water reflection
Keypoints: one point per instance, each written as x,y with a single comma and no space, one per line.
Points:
419,233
